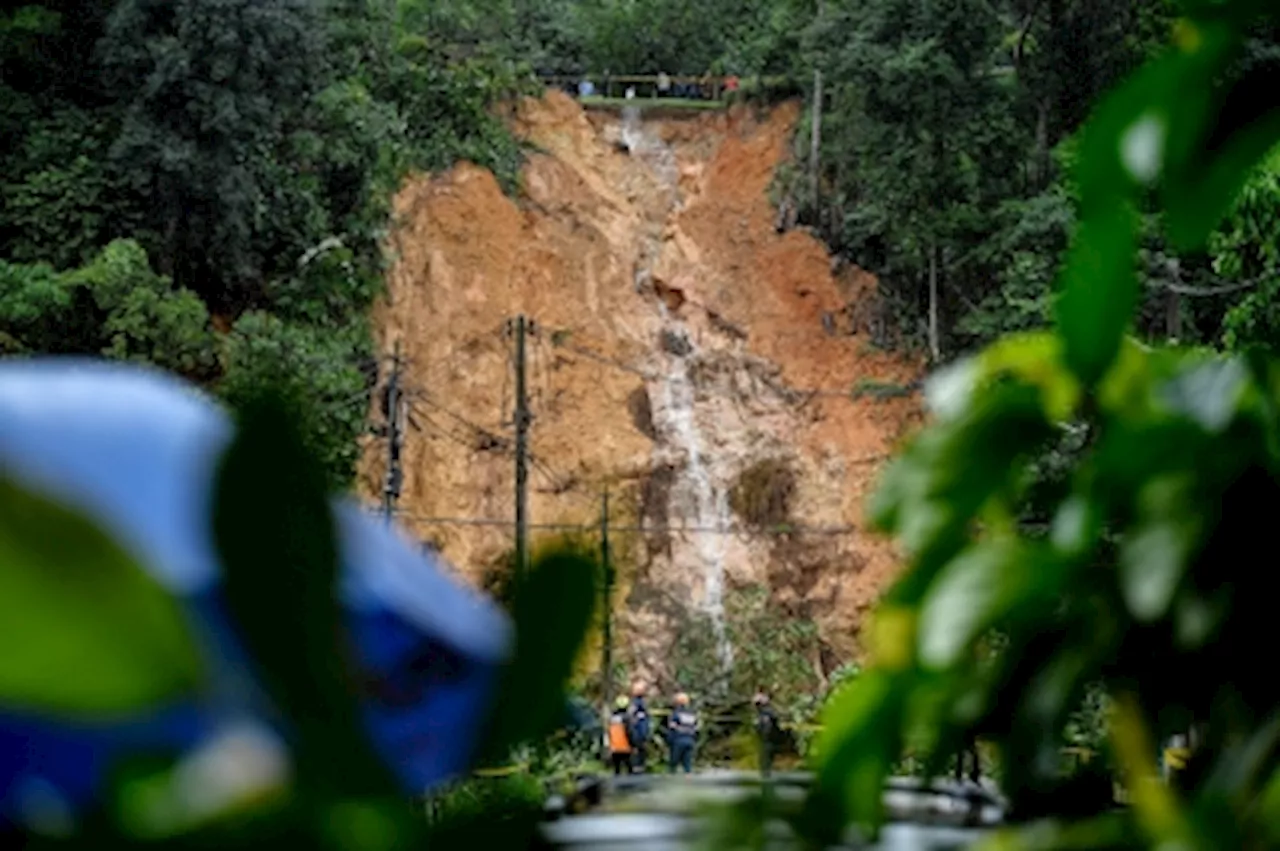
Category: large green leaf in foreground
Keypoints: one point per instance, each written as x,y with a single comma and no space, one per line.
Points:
553,609
84,629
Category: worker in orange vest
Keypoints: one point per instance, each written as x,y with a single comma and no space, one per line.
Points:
619,740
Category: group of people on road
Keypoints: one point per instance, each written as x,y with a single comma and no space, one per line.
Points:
631,732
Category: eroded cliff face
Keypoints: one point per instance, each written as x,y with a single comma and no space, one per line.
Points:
684,354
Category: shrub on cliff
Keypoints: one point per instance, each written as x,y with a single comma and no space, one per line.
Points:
762,494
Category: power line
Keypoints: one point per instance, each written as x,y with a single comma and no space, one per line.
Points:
605,360
441,430
556,479
481,431
851,393
1202,292
781,530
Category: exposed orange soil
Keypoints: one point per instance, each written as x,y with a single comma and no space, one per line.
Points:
597,241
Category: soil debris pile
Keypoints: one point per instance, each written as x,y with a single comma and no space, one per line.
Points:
681,349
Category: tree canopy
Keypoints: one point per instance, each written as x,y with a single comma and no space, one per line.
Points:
203,184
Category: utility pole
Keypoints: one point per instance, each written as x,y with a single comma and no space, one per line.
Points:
1173,304
522,418
935,347
391,488
815,139
607,607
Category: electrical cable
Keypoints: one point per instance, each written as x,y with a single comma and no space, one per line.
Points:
782,531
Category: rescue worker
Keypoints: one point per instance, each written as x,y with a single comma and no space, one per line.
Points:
638,728
767,728
682,733
619,741
969,754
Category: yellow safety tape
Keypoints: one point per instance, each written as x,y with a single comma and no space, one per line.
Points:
504,771
1176,758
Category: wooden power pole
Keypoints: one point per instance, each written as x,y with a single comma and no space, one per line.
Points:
522,418
815,139
606,604
394,478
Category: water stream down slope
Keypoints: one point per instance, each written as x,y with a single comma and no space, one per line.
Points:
684,356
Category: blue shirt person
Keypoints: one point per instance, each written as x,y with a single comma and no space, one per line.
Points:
682,734
638,726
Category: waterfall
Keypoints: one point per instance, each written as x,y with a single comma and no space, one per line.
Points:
702,504
710,506
632,134
651,148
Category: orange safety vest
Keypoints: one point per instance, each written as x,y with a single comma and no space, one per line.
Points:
618,740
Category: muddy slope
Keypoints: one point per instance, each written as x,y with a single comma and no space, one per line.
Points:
683,355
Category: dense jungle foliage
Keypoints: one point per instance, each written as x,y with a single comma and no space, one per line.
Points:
203,184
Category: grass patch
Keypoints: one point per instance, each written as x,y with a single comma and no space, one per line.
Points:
762,494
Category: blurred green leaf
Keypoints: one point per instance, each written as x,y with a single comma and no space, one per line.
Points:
1156,806
862,736
367,825
1227,148
1147,582
1156,552
929,495
552,612
1098,834
275,534
1269,805
1099,290
987,582
1210,394
1136,137
1036,359
85,630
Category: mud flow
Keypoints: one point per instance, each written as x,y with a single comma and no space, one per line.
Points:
706,368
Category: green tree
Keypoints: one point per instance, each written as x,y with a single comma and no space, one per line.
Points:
919,139
1245,249
1143,580
114,306
321,370
213,89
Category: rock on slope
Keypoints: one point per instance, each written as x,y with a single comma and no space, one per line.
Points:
679,357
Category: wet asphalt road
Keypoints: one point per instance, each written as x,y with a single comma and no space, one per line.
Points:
669,813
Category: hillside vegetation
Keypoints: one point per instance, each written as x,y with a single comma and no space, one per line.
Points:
204,184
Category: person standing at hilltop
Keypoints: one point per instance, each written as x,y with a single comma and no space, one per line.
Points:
664,85
638,727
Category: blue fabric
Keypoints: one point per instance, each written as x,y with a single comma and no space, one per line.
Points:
74,758
135,449
682,726
640,729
